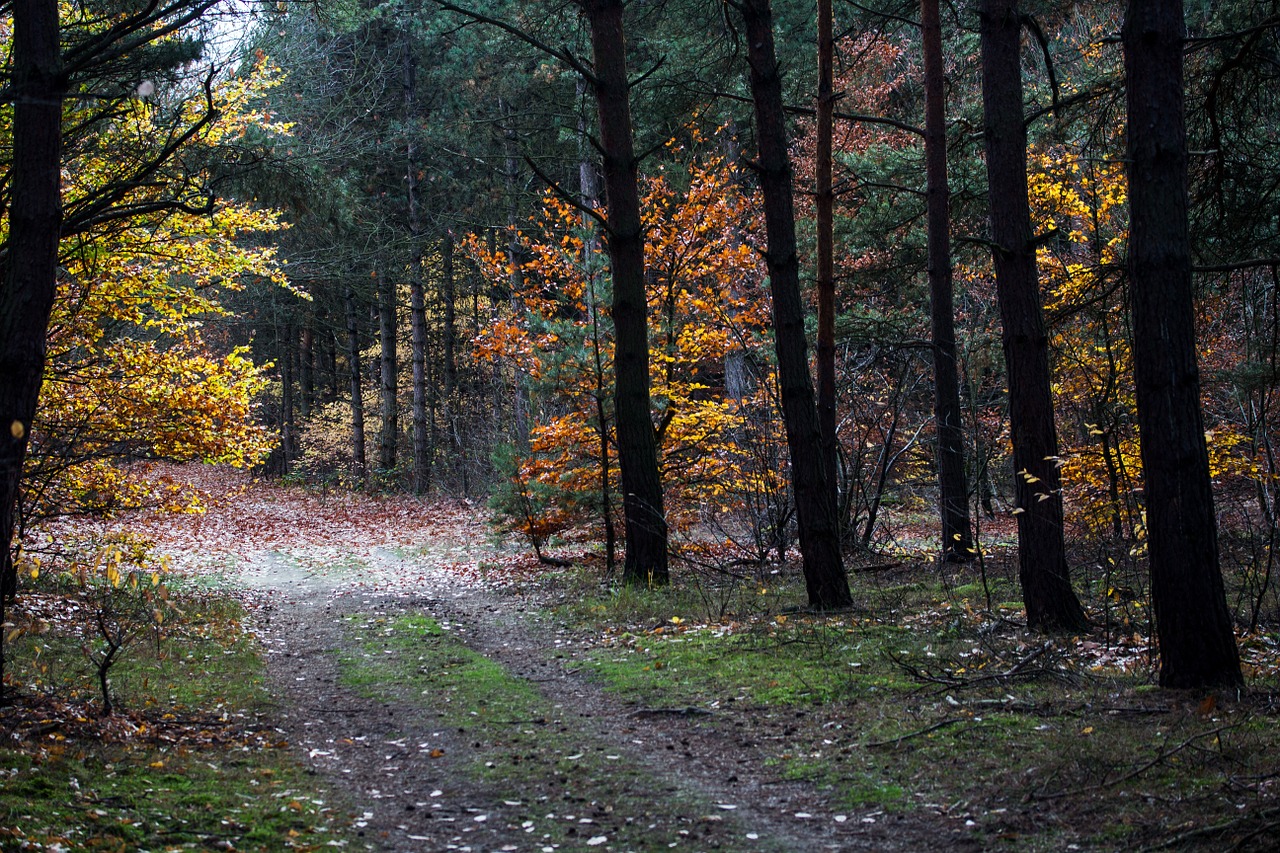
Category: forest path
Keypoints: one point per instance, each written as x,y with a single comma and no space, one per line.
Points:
332,582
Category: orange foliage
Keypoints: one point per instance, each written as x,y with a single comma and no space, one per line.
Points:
706,305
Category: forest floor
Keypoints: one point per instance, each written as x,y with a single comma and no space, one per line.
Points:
447,693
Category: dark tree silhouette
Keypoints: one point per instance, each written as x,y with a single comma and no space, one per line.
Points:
646,525
953,495
1193,625
825,578
1042,562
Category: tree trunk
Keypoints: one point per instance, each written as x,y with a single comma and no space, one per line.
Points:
826,280
589,196
358,457
28,280
418,343
288,427
449,308
421,475
1193,625
825,578
449,299
953,493
643,513
307,368
387,325
520,403
1046,585
331,391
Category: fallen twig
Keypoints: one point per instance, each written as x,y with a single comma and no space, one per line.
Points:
950,721
688,711
1015,671
1182,838
879,567
1138,771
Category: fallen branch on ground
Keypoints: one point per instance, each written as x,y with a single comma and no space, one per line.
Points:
1160,757
950,721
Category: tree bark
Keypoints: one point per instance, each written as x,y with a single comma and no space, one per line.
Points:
307,367
1046,586
824,202
953,493
825,579
520,402
644,517
387,324
358,456
450,309
589,196
421,473
288,425
1193,625
28,278
448,298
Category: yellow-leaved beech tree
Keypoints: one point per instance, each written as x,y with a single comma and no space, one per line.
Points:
134,375
1083,203
711,379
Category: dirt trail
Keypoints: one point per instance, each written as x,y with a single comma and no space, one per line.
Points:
319,570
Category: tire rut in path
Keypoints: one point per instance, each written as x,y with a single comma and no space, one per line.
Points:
409,776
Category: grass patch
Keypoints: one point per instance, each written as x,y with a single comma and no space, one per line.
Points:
800,663
190,761
943,709
527,749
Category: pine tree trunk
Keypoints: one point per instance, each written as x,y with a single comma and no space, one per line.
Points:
307,368
1193,625
953,493
421,474
387,325
358,456
824,202
1046,586
825,579
449,297
520,403
645,519
288,427
28,278
332,387
589,197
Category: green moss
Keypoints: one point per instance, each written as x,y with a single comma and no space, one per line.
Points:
186,789
518,745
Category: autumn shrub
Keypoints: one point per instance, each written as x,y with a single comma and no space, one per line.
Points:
106,590
536,505
707,307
